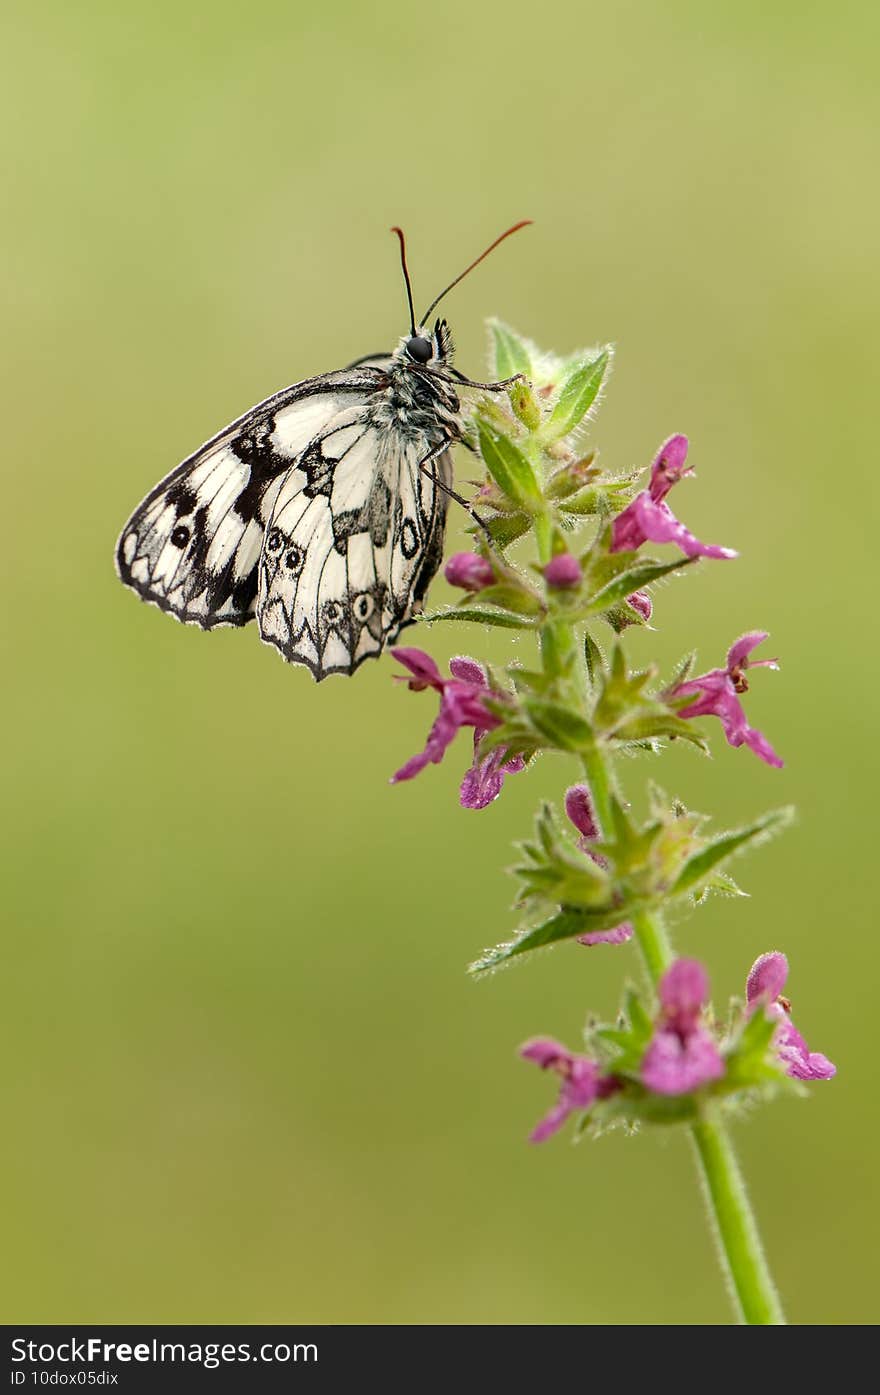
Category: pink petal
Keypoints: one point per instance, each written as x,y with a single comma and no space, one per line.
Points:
668,466
581,1084
579,808
742,648
799,1061
483,782
683,990
646,520
468,671
675,1067
551,1123
757,742
425,672
545,1051
618,936
642,604
767,977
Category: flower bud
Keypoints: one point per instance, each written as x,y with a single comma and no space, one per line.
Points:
525,405
642,604
563,572
468,570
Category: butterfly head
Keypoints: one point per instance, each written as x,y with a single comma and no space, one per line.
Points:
426,348
420,347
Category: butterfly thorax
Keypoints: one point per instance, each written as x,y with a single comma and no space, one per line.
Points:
417,403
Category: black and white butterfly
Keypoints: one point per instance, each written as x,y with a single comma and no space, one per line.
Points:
321,511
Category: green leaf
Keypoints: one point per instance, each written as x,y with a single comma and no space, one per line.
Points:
658,722
750,1060
683,670
574,476
593,658
527,680
507,528
562,926
633,579
512,597
721,884
703,863
603,498
577,394
566,730
475,616
511,353
640,1025
525,405
509,468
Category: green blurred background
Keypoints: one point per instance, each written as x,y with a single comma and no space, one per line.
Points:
246,1077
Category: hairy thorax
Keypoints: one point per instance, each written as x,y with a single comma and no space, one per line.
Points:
417,404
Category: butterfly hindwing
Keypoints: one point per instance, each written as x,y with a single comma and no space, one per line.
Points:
193,546
355,536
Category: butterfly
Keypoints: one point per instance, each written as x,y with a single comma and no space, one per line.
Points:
321,512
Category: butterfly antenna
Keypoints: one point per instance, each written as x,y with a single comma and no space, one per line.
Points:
402,241
525,223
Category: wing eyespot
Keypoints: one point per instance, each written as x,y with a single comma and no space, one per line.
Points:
180,536
294,558
363,606
334,613
274,541
409,539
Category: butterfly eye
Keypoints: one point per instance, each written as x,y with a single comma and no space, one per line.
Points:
420,349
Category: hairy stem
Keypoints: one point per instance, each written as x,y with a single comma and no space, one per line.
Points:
653,941
556,636
732,1220
598,776
736,1233
730,1214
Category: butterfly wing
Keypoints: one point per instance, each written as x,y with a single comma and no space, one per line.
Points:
193,546
355,537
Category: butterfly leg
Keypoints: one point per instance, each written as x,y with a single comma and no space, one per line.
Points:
487,387
423,466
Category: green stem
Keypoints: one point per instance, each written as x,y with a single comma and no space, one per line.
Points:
736,1233
556,636
733,1223
598,777
731,1217
544,537
653,940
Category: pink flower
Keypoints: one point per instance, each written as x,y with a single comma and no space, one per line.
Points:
579,808
461,705
642,604
468,570
765,983
649,517
682,1055
718,696
563,572
582,1082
